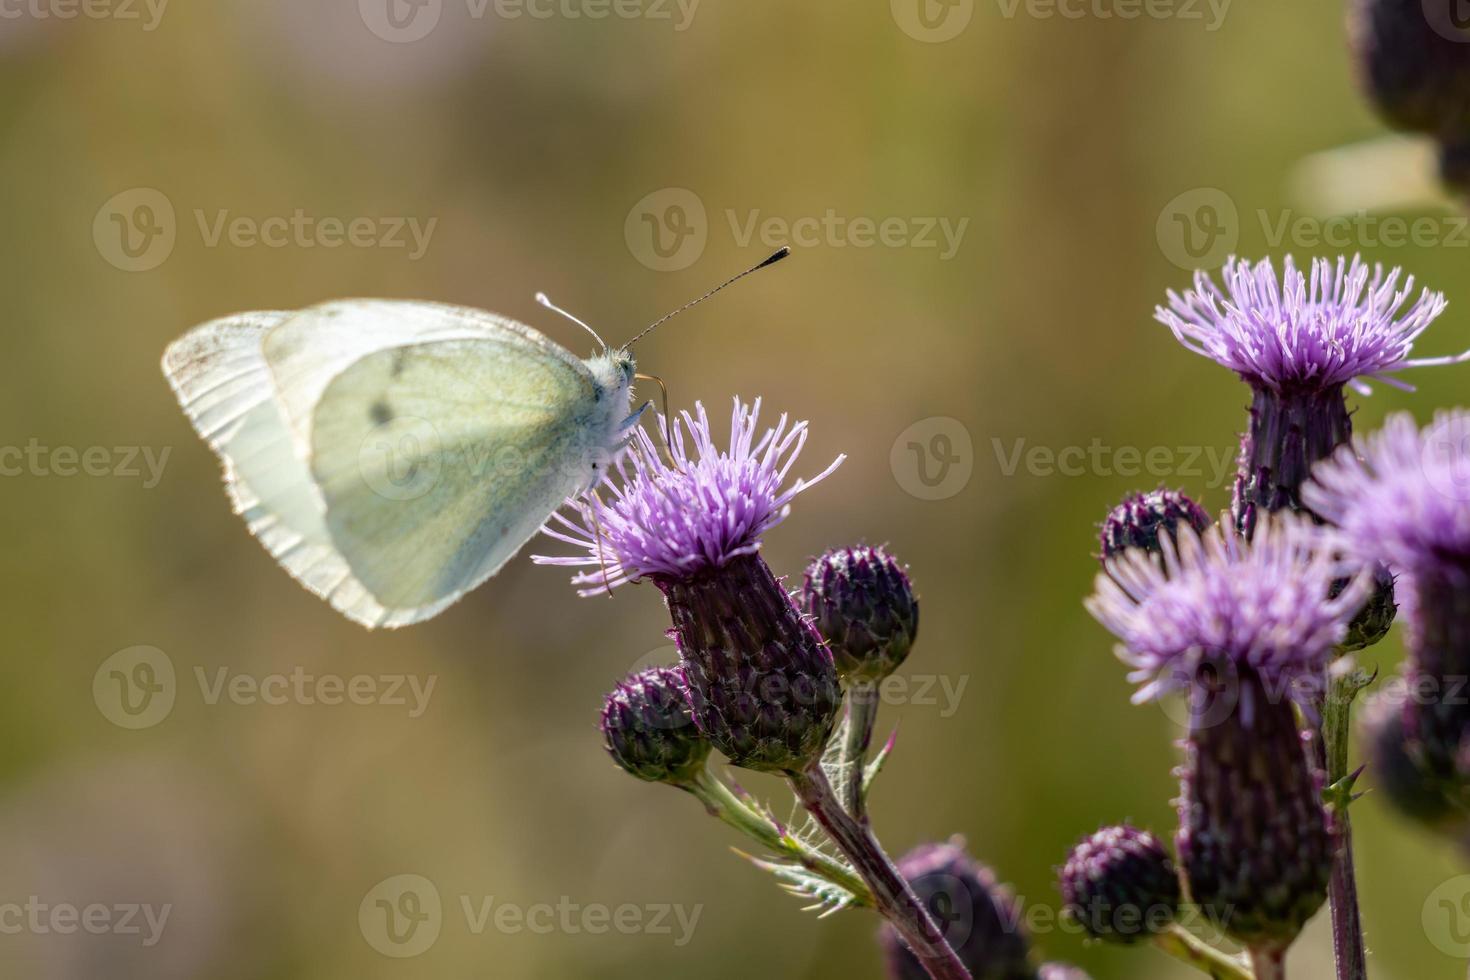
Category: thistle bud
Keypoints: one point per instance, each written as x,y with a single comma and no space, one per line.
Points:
1138,521
1413,61
1377,615
1120,885
647,728
865,608
761,684
978,917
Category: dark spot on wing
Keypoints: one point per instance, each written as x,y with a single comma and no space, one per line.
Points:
380,413
399,356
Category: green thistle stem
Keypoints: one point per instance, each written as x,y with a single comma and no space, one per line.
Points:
1186,947
1347,926
862,712
722,803
892,896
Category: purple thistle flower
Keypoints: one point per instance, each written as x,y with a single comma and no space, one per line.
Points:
1263,604
1298,342
1402,497
1290,335
760,683
674,521
1140,519
1120,885
1244,627
979,918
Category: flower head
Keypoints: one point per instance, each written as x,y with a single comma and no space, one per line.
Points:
1120,884
864,607
701,511
1346,324
1401,495
648,730
979,918
1262,604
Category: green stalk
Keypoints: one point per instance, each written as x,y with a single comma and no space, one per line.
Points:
1347,925
724,804
1186,947
862,712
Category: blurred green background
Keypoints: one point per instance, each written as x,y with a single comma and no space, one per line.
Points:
545,150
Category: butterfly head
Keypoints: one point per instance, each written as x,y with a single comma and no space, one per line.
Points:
622,360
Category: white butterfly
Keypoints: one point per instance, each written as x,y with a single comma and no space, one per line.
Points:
392,455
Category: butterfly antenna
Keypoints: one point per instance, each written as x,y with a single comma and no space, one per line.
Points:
545,301
775,257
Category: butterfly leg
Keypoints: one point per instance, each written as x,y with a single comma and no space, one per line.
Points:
668,419
597,534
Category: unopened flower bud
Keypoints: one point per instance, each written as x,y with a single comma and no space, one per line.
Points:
1120,885
1138,521
1413,61
1377,615
648,730
978,917
865,608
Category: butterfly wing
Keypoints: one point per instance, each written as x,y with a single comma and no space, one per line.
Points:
437,462
253,385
